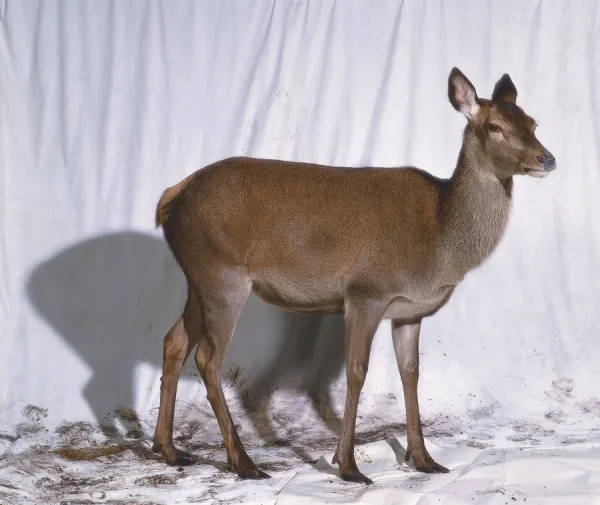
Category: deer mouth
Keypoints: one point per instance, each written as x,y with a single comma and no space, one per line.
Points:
536,172
546,163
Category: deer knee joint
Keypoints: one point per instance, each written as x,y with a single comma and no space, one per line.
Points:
211,393
202,356
356,375
410,365
409,371
175,346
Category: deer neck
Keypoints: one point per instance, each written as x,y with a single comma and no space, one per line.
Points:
476,209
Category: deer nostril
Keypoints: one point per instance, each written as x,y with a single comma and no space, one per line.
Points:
547,161
545,158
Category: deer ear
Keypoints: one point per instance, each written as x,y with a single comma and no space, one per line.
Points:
505,90
462,94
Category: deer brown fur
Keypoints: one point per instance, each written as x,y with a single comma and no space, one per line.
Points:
374,243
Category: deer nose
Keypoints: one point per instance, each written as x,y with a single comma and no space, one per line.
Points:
548,162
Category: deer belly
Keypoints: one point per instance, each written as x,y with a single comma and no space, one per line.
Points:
297,298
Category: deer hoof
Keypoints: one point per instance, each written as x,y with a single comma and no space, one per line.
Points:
172,456
181,461
253,473
245,468
356,476
432,468
424,463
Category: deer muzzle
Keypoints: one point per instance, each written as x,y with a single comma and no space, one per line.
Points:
547,161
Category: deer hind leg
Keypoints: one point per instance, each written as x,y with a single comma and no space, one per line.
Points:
177,346
221,299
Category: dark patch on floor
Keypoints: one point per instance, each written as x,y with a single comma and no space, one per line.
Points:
476,444
157,480
109,431
128,415
132,422
381,433
204,446
71,484
526,439
77,433
186,430
34,413
591,406
572,441
234,375
555,415
87,454
25,429
275,466
144,454
10,438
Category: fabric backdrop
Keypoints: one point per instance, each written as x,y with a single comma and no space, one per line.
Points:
105,104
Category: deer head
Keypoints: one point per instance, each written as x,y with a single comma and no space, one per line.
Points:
505,133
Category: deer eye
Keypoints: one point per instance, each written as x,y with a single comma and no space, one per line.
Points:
494,128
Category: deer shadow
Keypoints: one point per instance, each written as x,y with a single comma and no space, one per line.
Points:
113,298
308,359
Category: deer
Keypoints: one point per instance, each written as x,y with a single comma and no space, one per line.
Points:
371,243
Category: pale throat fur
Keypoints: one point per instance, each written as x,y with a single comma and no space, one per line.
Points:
475,211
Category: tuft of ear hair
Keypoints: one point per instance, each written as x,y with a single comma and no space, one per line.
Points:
504,90
462,94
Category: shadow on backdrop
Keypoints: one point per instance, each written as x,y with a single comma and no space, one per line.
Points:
114,297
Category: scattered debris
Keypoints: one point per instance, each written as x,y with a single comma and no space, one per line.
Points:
87,454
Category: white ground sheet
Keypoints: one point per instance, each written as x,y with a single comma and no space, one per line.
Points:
104,104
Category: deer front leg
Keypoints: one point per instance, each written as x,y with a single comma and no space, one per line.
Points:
362,321
406,345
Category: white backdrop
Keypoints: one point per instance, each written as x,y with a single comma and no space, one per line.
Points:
104,104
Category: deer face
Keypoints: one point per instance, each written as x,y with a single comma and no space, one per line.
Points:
506,133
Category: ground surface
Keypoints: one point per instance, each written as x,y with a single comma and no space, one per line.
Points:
493,460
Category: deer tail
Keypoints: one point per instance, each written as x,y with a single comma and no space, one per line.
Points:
168,198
